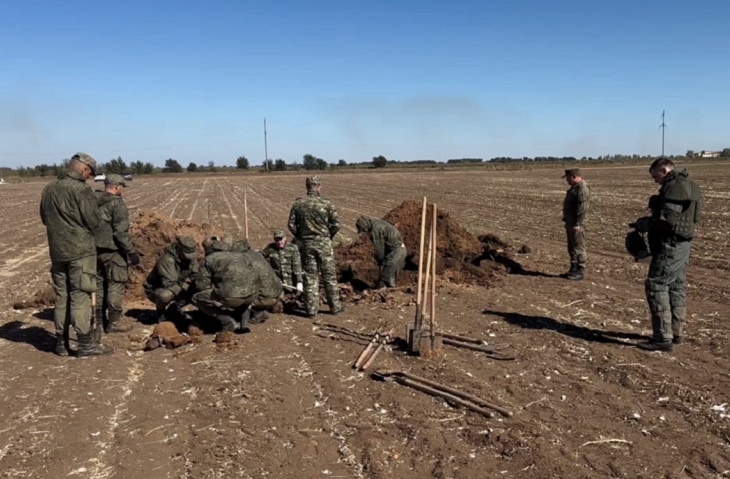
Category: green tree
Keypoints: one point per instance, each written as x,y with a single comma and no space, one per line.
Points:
242,163
380,161
725,153
211,166
321,164
172,166
309,162
149,168
192,167
341,162
280,165
117,165
42,169
136,167
690,154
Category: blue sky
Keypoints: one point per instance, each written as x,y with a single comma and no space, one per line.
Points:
193,80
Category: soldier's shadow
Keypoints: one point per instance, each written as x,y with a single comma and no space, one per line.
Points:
572,330
20,332
44,314
144,316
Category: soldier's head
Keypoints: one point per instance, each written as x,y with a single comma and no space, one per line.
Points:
187,248
313,184
83,164
280,239
240,245
660,168
363,225
573,176
114,184
212,244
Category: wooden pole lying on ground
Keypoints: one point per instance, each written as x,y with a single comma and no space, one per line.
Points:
245,213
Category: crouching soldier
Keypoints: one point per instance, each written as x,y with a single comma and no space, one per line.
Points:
170,284
235,287
390,252
285,260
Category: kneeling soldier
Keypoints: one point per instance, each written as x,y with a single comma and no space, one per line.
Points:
170,283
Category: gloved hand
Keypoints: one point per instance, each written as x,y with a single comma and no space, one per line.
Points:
300,287
642,225
179,304
133,259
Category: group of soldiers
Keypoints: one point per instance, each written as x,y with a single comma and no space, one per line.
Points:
675,212
91,252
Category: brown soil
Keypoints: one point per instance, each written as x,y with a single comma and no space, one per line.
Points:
461,257
44,297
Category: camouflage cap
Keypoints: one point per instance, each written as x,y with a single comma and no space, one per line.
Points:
114,179
363,225
571,172
188,246
87,160
279,234
313,181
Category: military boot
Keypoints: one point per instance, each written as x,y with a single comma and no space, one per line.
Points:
679,314
88,346
115,324
60,349
227,322
577,274
258,317
571,271
655,346
244,319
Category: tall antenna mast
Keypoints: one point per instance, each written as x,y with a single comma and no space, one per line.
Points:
663,126
266,149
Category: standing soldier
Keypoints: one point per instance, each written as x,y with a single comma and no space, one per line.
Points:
170,283
390,252
313,221
114,251
676,210
71,216
575,207
285,260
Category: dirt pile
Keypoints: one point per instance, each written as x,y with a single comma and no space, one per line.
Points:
151,232
461,257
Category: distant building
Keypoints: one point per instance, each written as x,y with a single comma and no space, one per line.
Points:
710,154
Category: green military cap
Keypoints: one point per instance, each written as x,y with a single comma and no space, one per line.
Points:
313,180
363,225
188,246
278,234
114,179
87,160
572,172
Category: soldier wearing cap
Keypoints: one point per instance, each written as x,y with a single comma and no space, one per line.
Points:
390,251
114,253
314,223
575,207
170,284
71,216
285,260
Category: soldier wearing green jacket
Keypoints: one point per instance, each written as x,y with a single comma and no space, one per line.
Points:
285,260
69,211
575,207
676,210
114,252
170,284
235,287
390,251
314,222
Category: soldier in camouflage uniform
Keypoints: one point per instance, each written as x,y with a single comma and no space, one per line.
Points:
575,206
114,252
676,210
70,214
170,284
390,252
235,287
314,222
285,260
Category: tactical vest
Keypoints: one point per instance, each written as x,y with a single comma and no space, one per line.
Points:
681,195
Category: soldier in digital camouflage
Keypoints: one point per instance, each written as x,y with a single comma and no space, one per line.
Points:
170,283
675,212
575,208
390,251
285,260
314,223
114,254
235,287
70,213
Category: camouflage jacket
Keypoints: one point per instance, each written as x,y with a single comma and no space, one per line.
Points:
576,204
231,274
70,213
171,272
385,236
677,208
286,262
313,217
113,231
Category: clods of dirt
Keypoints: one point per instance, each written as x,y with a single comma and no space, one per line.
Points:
44,297
165,334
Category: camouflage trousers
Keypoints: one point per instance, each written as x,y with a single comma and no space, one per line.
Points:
318,257
111,277
666,285
576,246
73,283
213,305
393,264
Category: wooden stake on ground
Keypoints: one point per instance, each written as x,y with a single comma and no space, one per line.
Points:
432,316
419,298
245,213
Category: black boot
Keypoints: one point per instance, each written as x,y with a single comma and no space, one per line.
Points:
88,346
258,317
115,325
655,346
60,349
571,271
576,275
227,322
